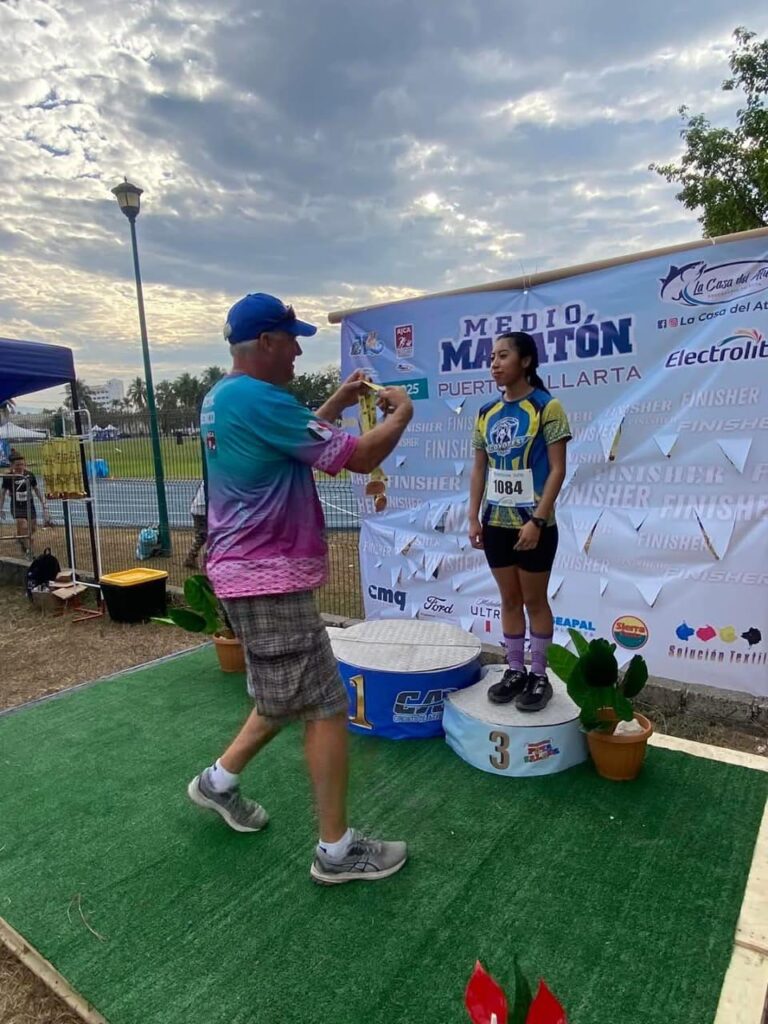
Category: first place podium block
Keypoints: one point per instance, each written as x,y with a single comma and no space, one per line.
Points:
399,672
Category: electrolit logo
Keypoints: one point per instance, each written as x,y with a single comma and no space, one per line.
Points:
744,344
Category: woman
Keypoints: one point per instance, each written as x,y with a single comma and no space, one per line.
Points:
519,441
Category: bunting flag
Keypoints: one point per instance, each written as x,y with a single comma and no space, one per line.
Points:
650,589
665,443
736,450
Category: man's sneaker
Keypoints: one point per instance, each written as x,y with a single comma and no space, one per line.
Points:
511,684
241,814
366,860
536,695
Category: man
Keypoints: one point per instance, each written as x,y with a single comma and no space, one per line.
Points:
199,526
266,553
19,486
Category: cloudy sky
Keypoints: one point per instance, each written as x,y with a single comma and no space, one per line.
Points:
335,152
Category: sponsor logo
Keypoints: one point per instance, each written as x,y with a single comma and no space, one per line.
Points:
488,611
210,441
630,632
406,368
319,430
726,634
434,607
386,595
417,389
415,706
743,344
366,344
540,751
705,643
583,625
404,341
698,284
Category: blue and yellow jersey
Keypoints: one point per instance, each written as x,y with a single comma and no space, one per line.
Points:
515,435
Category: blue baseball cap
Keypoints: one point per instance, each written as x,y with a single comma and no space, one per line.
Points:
256,313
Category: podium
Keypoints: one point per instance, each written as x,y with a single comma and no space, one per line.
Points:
398,673
499,739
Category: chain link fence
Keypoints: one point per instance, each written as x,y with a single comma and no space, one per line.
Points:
121,476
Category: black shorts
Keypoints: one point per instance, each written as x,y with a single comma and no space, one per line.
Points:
499,545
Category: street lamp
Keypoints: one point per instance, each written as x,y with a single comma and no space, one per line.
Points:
129,199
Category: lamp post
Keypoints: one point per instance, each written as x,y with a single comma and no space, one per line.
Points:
129,199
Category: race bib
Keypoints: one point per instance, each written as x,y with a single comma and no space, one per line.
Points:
511,488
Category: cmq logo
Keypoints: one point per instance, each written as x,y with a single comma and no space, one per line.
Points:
697,284
630,632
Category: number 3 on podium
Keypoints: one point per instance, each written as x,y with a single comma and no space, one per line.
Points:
499,760
359,719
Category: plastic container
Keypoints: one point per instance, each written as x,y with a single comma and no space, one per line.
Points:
135,595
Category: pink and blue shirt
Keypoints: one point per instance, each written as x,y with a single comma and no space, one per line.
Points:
266,530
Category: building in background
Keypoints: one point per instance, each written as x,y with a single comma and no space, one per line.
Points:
108,392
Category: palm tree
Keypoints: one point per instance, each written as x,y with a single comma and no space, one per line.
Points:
187,390
137,393
210,376
84,398
166,396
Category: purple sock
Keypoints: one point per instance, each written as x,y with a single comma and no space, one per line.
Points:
515,646
539,645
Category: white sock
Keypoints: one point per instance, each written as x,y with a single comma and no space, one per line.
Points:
220,779
337,850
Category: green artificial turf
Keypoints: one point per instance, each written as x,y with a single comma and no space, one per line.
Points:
623,896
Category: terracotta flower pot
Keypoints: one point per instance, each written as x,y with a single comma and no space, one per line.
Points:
620,758
230,653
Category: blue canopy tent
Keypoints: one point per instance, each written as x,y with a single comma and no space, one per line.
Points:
29,366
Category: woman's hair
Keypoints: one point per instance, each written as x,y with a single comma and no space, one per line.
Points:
526,348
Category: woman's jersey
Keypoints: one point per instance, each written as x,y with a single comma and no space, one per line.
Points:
515,436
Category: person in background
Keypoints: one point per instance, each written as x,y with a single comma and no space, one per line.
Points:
520,440
21,485
266,553
200,526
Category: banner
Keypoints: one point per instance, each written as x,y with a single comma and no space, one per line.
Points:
662,368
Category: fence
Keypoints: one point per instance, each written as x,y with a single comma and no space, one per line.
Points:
122,481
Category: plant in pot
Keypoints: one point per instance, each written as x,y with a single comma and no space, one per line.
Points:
205,615
604,698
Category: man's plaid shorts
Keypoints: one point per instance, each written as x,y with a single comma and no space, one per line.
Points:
292,672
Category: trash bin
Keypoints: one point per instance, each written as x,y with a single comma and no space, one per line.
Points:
134,595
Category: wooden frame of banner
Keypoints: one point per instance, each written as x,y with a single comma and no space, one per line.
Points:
743,997
547,276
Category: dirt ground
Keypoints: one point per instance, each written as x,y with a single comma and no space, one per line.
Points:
43,654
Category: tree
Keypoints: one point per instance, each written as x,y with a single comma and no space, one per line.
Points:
313,389
724,171
187,390
210,376
84,398
137,393
166,396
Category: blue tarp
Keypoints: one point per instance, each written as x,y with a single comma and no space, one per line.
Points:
27,366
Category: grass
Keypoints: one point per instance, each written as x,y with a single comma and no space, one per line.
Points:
132,457
601,888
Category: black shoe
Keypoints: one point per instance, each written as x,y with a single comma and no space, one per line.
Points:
511,684
536,695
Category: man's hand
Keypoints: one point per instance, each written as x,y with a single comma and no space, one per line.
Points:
392,398
350,389
528,538
475,533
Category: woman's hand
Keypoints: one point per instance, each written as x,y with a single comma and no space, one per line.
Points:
475,533
528,538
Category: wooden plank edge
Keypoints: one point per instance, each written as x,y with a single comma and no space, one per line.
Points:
47,973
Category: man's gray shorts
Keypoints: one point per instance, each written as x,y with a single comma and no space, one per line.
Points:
292,672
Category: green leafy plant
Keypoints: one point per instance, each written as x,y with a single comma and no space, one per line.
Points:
204,614
593,681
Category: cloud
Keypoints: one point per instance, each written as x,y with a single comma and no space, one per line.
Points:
331,153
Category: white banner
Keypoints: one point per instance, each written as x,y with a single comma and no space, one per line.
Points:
662,368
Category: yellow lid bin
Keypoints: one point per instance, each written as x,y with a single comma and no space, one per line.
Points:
135,595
